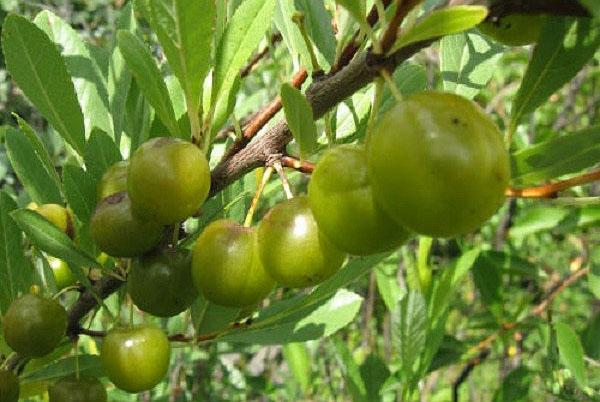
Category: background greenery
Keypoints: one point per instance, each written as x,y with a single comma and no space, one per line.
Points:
484,282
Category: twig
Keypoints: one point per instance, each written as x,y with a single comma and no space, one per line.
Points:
466,371
244,72
303,166
550,190
391,33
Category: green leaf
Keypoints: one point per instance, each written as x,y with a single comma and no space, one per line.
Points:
184,29
38,68
300,364
148,78
318,25
570,352
409,329
242,35
565,46
47,237
467,62
80,191
387,284
590,337
593,6
31,171
300,119
515,387
537,219
356,8
374,373
313,321
138,119
208,317
488,279
89,365
350,371
566,154
16,274
447,21
39,148
292,38
90,85
100,153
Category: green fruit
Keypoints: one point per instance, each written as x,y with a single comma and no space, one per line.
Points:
135,358
71,389
34,326
293,250
342,203
168,180
60,216
9,387
438,165
113,181
63,276
514,29
226,265
118,232
161,283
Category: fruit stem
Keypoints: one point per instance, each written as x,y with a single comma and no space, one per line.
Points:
388,79
298,19
265,179
423,270
377,97
284,180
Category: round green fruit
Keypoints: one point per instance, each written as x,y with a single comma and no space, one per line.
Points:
118,232
226,265
135,358
34,326
63,276
161,283
113,181
71,389
294,252
342,203
9,386
168,180
514,29
437,164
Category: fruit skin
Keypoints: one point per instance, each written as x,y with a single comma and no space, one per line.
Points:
168,180
63,276
342,203
119,233
135,358
71,389
294,252
113,181
438,164
9,387
226,266
60,216
161,283
514,29
34,326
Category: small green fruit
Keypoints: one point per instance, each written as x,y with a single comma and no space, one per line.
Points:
60,216
226,265
161,283
294,252
118,232
437,164
342,203
63,276
113,181
168,180
71,389
136,358
9,386
34,326
514,29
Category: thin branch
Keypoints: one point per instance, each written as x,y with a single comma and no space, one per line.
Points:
550,190
295,163
244,72
391,33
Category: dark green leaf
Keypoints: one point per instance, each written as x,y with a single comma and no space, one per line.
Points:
299,116
88,366
100,153
318,24
80,191
148,78
488,279
351,372
409,329
515,387
37,66
374,373
30,169
565,46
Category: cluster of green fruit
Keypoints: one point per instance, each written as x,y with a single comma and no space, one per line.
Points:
514,29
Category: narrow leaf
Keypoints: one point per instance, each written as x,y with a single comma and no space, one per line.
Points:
318,24
299,116
447,21
148,78
30,170
100,153
356,8
565,46
38,68
409,329
80,192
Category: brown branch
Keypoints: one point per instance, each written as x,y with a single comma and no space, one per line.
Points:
244,72
391,33
295,163
550,190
